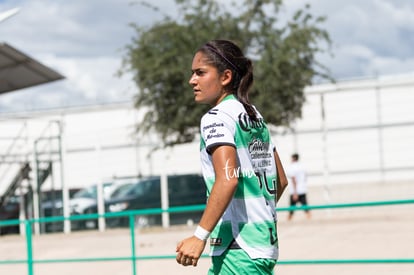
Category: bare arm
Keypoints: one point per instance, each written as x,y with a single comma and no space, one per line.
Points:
225,165
282,180
294,185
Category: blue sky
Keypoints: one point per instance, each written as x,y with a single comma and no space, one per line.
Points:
83,40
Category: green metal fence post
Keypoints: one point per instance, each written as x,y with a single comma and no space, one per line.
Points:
28,226
132,230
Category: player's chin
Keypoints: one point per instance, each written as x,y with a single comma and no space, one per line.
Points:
198,98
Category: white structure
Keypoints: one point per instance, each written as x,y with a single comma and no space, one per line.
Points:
9,13
357,131
98,143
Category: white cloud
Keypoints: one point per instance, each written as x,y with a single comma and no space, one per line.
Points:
83,41
88,80
387,65
364,32
83,74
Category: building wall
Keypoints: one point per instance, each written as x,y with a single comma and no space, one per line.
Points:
357,131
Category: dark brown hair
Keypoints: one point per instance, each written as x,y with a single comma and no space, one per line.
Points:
225,55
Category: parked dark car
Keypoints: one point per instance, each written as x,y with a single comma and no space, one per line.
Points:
80,199
10,210
51,202
183,190
82,202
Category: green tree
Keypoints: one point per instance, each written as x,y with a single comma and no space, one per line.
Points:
160,59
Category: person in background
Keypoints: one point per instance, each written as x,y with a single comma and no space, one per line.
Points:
296,174
241,168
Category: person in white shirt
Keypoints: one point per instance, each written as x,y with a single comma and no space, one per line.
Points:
296,174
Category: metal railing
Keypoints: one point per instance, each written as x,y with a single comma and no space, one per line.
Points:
133,258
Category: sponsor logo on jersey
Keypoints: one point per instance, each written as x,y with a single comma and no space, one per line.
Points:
246,124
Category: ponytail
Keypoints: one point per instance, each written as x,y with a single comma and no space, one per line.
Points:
243,89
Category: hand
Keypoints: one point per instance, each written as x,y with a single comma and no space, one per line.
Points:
295,197
189,251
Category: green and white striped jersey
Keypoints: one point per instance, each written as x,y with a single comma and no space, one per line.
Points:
250,218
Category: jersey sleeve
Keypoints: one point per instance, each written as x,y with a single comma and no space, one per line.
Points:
217,129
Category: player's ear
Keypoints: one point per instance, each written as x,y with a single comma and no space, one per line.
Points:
226,77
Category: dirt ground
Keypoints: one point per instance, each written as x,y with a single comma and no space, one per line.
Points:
369,233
